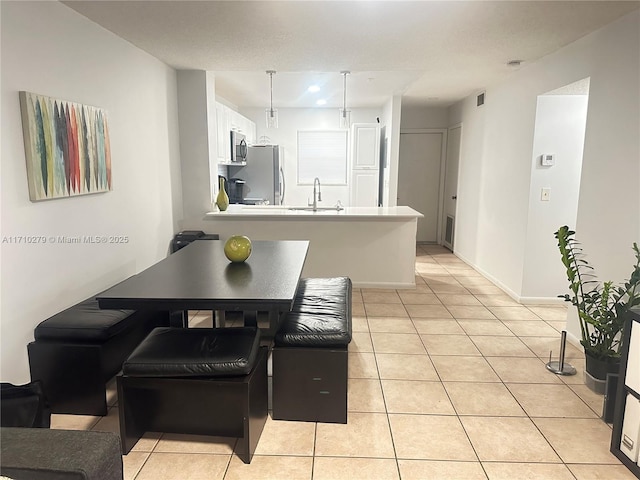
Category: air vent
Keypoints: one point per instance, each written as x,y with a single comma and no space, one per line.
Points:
480,99
448,231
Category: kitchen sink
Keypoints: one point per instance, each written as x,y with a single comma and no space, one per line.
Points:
317,209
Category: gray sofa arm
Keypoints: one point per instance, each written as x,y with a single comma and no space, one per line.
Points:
39,454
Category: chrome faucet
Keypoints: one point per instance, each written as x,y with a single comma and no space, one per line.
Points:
317,197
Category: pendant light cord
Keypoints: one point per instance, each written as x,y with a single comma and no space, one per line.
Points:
271,72
271,89
344,101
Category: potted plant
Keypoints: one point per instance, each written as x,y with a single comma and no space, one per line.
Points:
602,307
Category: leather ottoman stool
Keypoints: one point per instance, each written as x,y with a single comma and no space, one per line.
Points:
77,351
310,353
202,381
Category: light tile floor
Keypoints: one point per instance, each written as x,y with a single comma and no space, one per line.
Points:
446,381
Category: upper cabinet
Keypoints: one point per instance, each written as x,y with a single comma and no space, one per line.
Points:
252,138
222,133
365,146
228,120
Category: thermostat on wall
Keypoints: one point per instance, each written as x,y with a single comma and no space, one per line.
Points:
547,159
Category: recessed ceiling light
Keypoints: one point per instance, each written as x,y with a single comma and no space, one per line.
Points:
321,102
514,63
314,89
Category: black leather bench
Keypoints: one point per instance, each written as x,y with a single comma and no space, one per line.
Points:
201,381
310,359
40,453
77,351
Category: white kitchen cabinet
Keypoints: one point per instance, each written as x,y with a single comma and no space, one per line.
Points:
223,129
251,133
245,126
228,120
365,163
240,124
364,188
365,146
235,122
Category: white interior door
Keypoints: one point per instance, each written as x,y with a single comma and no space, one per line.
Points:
451,186
419,178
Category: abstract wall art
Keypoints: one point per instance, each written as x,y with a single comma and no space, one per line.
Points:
67,147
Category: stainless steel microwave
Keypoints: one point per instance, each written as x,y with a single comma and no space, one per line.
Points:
238,147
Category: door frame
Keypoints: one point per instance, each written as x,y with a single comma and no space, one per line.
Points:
443,160
443,215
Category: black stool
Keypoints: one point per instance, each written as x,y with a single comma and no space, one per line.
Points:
310,353
201,381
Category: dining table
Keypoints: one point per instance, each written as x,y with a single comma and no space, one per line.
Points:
200,277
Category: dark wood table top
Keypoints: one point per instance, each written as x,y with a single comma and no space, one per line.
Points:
199,276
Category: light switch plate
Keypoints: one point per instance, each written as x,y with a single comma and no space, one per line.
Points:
547,159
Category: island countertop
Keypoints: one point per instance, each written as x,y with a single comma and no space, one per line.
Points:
374,246
284,212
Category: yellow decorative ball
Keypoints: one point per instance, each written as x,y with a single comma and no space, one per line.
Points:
238,248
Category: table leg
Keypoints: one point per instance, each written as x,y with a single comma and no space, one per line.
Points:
274,320
179,319
219,318
250,318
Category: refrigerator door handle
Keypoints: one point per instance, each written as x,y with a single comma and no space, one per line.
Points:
282,186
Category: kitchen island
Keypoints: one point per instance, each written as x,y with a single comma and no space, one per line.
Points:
374,246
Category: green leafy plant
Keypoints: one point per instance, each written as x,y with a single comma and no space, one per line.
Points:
602,307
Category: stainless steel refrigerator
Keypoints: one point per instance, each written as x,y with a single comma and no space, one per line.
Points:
263,175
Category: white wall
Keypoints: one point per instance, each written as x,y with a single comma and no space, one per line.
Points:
49,49
493,198
198,142
560,128
414,116
469,172
434,119
608,213
391,117
290,120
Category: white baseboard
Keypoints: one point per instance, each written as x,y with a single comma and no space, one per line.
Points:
541,301
573,340
508,291
487,275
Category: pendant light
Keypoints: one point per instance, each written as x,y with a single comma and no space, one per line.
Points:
272,114
345,115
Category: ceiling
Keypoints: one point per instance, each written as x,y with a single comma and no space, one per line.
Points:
430,52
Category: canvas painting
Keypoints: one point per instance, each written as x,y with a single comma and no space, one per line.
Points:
67,147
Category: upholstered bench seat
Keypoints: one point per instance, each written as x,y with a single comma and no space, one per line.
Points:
321,315
85,321
310,359
77,351
201,381
194,352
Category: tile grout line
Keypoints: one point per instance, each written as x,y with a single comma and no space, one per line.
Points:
315,439
502,382
384,401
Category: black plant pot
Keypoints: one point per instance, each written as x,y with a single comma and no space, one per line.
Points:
598,368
